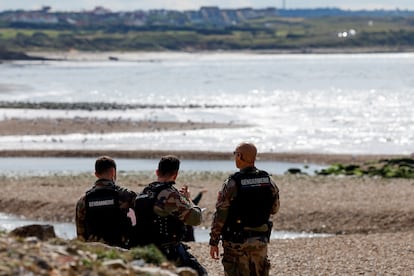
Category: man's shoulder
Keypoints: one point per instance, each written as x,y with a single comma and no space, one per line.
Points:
124,190
168,192
233,175
155,188
171,196
249,173
81,203
107,186
110,185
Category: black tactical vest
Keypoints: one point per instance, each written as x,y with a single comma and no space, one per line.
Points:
252,205
150,227
105,220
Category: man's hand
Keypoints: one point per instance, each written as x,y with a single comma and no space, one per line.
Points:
214,252
185,192
132,217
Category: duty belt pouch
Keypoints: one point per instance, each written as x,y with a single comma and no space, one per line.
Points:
234,233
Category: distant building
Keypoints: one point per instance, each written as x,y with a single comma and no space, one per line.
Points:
194,17
46,9
34,17
212,15
209,16
101,11
137,18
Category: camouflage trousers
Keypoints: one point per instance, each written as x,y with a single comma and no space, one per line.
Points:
179,255
246,259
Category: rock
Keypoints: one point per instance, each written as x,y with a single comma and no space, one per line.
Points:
138,263
31,240
115,264
185,271
154,271
294,171
14,55
41,263
42,232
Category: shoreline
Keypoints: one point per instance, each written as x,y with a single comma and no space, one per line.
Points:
75,55
316,158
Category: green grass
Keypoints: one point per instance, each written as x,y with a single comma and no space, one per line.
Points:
271,33
387,168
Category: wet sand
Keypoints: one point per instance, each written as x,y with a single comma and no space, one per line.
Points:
48,126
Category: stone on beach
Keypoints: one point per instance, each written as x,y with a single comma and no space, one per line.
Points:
42,232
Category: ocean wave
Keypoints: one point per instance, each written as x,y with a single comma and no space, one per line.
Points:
91,106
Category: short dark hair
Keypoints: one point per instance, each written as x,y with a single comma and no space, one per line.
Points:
168,165
104,164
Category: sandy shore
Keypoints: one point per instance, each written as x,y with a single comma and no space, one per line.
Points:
337,205
75,55
375,254
371,219
48,126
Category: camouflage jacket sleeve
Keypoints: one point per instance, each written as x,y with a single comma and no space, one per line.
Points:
80,219
126,197
225,196
171,202
276,203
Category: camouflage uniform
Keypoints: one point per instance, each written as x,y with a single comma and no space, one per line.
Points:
126,200
189,230
248,257
170,202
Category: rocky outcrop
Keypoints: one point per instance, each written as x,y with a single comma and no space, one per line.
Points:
28,250
42,232
13,55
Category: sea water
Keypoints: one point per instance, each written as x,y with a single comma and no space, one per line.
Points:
26,166
342,103
68,230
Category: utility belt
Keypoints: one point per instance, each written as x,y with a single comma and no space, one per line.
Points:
241,235
252,234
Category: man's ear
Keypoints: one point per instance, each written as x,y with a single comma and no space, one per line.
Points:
175,176
113,172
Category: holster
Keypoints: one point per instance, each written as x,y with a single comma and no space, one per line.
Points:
269,230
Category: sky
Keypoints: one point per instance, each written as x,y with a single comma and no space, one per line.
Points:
128,5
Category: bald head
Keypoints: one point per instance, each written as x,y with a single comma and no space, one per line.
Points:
248,152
